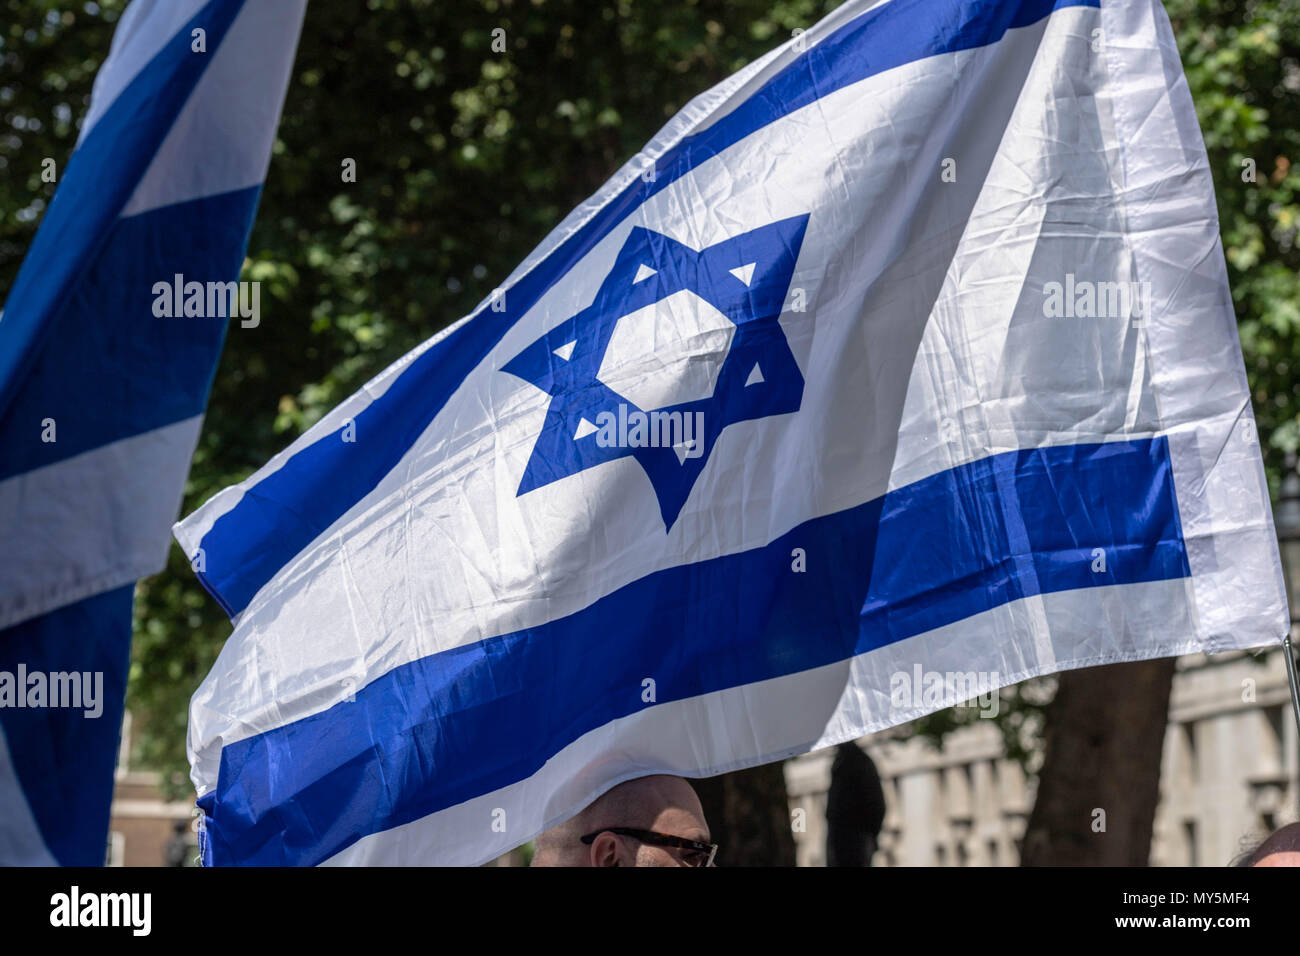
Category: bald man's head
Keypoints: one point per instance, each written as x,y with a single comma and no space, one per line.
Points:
1282,848
660,803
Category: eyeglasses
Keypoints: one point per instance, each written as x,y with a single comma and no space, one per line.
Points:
697,853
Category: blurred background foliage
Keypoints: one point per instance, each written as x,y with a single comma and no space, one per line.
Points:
466,157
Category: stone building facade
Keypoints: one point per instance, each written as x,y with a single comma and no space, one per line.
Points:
1230,773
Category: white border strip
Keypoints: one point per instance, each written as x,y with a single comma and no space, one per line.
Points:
93,522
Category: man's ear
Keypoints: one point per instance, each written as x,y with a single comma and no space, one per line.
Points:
604,850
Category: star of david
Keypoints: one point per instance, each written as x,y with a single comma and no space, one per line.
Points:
671,330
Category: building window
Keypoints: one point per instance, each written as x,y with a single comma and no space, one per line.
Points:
116,855
124,747
1188,732
1272,751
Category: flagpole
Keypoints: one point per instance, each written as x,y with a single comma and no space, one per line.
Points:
1286,521
1294,681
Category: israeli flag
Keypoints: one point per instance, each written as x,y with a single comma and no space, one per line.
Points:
102,391
910,345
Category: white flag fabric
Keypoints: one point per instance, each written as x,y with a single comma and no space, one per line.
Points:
906,351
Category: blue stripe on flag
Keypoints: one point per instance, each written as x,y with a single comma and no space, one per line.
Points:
118,370
882,39
78,222
64,759
438,731
291,507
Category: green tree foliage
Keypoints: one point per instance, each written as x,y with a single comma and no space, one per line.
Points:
466,157
1242,61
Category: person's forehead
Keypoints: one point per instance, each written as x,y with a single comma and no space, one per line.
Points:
682,822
